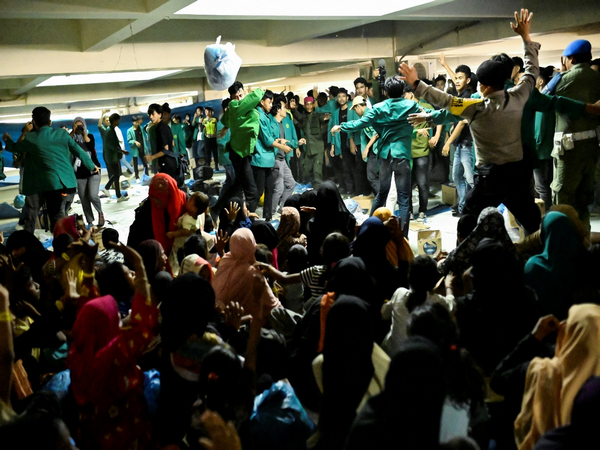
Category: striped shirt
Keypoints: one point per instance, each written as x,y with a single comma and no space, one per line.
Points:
314,279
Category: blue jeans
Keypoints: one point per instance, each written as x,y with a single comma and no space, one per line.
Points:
401,169
462,172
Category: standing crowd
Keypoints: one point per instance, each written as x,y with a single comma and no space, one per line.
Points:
213,329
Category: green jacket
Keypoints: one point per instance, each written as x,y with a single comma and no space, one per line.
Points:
242,119
110,145
48,153
131,140
264,152
336,139
290,135
222,145
196,124
178,138
328,108
580,83
389,119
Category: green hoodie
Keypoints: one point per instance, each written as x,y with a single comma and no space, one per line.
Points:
243,119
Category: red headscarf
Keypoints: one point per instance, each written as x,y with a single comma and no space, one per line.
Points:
97,325
164,191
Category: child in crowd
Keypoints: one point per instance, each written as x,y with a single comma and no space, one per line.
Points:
109,254
188,224
423,277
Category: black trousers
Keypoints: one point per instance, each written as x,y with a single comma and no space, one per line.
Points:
264,177
114,172
210,147
55,205
508,184
244,180
348,164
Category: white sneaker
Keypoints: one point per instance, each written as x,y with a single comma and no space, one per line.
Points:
137,181
421,218
106,192
122,199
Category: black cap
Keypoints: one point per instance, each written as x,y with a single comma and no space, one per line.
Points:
492,73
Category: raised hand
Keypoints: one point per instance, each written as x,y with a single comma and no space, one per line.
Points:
408,73
522,24
233,211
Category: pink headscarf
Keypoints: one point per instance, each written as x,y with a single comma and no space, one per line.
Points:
238,280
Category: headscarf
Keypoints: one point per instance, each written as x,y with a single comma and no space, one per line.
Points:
288,235
264,233
67,225
581,432
490,224
239,280
395,252
348,349
196,264
150,252
329,202
350,277
556,273
187,310
552,384
289,223
80,138
163,188
307,198
240,221
407,413
96,326
35,255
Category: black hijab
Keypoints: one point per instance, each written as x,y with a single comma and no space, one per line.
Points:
349,276
347,368
407,413
187,310
307,198
35,255
264,233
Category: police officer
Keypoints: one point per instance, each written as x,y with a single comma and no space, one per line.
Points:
576,140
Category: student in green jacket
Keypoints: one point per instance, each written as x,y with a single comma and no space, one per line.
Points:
178,131
49,171
223,137
137,139
263,158
389,119
243,120
285,130
112,154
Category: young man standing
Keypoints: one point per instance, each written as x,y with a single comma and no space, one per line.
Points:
361,182
210,137
243,120
310,122
113,153
341,157
389,119
463,160
136,138
223,137
165,157
368,143
49,175
503,176
263,158
287,143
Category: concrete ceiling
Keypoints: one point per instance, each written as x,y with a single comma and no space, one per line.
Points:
42,38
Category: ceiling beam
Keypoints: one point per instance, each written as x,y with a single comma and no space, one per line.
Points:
30,85
99,35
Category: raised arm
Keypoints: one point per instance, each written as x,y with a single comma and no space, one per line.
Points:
522,26
445,65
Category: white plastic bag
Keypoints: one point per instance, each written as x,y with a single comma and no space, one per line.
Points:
221,65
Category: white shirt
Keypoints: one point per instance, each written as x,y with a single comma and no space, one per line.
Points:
396,310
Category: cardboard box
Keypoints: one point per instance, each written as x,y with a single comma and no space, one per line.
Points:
365,202
449,195
429,242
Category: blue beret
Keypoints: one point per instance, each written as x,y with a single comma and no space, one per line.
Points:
577,47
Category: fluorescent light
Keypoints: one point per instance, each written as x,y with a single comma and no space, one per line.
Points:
101,78
305,8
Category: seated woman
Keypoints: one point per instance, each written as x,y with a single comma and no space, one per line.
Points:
408,412
239,280
490,224
553,383
157,270
560,275
159,213
288,234
105,380
349,348
331,215
501,309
